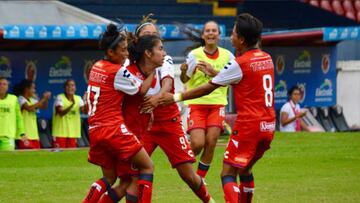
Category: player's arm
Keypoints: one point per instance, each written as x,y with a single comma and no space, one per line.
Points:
42,104
129,84
146,84
59,109
230,74
285,120
183,77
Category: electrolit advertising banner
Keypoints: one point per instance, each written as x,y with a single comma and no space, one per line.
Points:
86,31
49,70
313,69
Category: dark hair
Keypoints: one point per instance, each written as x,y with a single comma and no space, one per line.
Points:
195,35
111,37
3,78
67,81
146,20
19,88
249,27
292,89
137,47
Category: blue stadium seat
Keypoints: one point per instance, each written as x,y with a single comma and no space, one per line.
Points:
44,128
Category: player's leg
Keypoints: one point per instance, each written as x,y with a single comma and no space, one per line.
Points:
116,193
99,187
247,185
132,189
214,125
229,183
194,181
145,165
197,128
212,135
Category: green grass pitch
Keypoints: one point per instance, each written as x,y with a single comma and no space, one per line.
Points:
302,167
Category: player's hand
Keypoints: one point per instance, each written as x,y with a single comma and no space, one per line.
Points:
47,95
150,103
25,139
206,68
166,99
183,67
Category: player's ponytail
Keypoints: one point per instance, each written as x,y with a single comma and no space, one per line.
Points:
146,20
111,37
138,47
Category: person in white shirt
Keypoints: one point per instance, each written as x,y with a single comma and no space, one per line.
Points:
291,113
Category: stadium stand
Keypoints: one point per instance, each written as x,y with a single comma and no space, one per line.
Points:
45,136
347,8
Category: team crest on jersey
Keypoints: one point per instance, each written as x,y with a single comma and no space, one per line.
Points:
325,63
191,123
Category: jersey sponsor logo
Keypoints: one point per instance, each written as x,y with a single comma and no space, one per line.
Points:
324,93
280,64
281,92
267,126
5,67
325,63
262,65
30,70
303,63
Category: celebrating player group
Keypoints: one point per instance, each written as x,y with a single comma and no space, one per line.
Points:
132,110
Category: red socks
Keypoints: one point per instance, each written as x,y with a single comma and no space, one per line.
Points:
246,188
202,192
231,190
202,169
97,189
145,188
130,198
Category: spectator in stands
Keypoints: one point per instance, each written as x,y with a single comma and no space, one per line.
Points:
66,122
291,114
29,104
11,121
206,114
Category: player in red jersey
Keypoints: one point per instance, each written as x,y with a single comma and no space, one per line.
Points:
110,141
252,77
163,126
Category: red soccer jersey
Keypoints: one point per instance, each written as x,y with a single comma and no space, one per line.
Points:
108,83
139,122
252,77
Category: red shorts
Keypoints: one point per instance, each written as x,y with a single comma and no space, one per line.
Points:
65,142
204,116
170,137
247,144
29,144
110,145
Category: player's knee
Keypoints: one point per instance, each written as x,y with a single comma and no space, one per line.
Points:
196,145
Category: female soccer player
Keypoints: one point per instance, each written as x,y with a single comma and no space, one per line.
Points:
29,105
110,141
252,77
66,122
206,114
163,126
